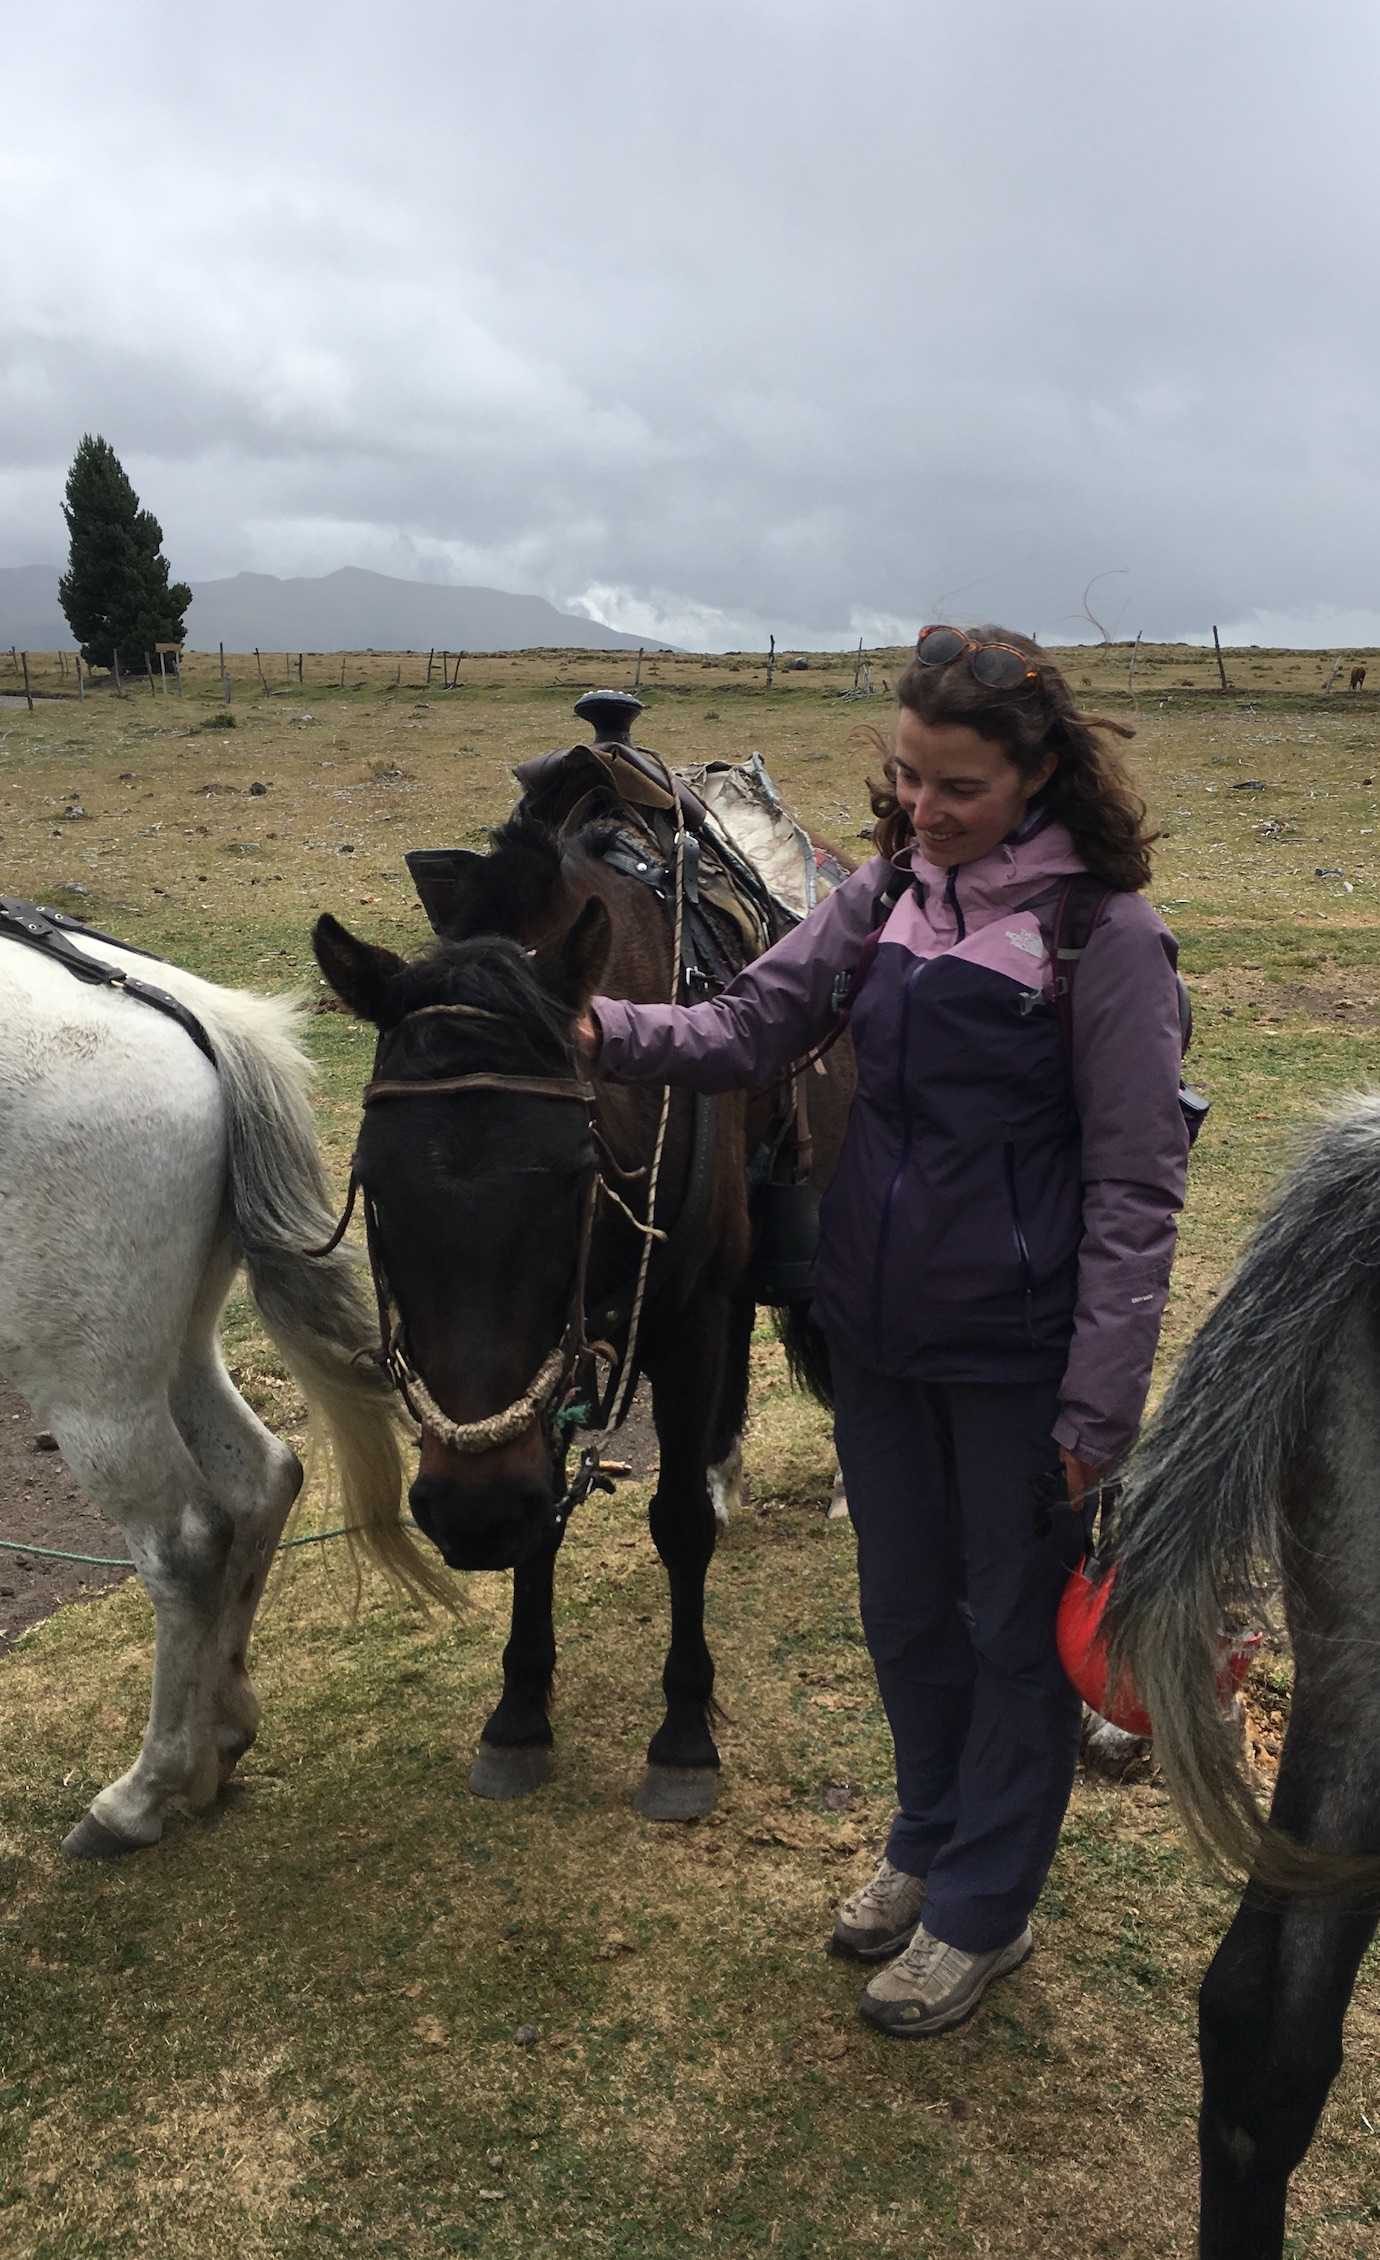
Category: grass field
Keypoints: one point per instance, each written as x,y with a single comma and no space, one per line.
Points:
363,2011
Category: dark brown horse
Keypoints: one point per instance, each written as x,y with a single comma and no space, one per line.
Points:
502,1195
1358,678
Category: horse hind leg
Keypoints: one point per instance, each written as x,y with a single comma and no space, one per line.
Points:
1272,2005
135,1465
255,1478
726,1493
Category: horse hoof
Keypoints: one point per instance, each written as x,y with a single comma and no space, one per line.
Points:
92,1840
504,1773
677,1793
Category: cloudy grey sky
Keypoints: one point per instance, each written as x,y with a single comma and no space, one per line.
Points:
717,318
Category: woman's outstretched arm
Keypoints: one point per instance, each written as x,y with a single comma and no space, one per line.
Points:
778,1007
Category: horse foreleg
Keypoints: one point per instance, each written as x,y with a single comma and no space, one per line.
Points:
514,1754
142,1474
1271,2011
681,1781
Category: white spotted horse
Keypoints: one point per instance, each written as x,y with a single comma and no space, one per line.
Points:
155,1135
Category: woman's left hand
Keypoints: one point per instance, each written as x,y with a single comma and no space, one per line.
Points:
1081,1477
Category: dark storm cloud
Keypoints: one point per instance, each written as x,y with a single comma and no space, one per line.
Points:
717,319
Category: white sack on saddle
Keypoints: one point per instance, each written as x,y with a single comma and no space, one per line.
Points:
747,808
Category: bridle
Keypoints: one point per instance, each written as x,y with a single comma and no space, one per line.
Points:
553,1395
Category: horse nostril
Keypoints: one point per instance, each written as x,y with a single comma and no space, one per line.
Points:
419,1499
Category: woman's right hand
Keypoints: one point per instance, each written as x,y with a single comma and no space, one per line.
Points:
587,1037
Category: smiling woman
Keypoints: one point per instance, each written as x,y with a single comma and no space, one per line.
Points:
994,1258
970,754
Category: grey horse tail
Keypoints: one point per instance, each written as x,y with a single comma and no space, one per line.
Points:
1217,1480
314,1306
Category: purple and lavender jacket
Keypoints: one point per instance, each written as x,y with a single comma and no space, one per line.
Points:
999,1213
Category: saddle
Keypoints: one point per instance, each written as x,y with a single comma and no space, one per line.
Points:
39,928
731,914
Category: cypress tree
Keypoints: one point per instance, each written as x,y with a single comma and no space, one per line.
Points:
116,592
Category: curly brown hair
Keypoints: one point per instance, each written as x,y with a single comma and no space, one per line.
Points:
1090,791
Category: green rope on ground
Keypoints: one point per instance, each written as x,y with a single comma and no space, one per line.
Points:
122,1561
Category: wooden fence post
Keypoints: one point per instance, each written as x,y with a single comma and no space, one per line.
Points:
27,692
148,670
445,670
1135,654
429,658
299,668
81,686
163,671
62,665
342,670
857,664
1221,669
14,660
225,687
637,678
177,670
115,663
771,662
260,665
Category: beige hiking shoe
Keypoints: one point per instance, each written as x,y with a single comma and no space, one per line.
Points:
932,1986
877,1921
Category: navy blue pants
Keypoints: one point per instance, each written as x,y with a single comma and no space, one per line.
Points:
965,1539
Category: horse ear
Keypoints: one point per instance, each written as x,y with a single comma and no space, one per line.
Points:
445,880
573,967
359,972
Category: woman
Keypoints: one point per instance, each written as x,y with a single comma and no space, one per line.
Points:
994,1259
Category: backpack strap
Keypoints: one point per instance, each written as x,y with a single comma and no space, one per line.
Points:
1077,911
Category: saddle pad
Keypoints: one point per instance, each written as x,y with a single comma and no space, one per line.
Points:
744,804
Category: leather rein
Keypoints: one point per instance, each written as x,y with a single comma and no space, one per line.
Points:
553,1394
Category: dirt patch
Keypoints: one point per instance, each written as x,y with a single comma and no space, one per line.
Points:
40,1505
1298,1000
1345,999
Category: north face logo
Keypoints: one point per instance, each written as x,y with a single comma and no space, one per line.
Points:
1022,939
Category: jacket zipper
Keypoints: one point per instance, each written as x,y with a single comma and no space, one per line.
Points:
898,1173
1018,1235
951,898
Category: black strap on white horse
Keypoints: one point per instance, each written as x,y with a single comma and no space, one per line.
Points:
47,931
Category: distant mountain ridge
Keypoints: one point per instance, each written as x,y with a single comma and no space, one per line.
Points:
349,610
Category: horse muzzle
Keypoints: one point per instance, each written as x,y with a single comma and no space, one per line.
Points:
493,1527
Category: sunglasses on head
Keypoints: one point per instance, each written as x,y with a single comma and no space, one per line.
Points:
999,666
